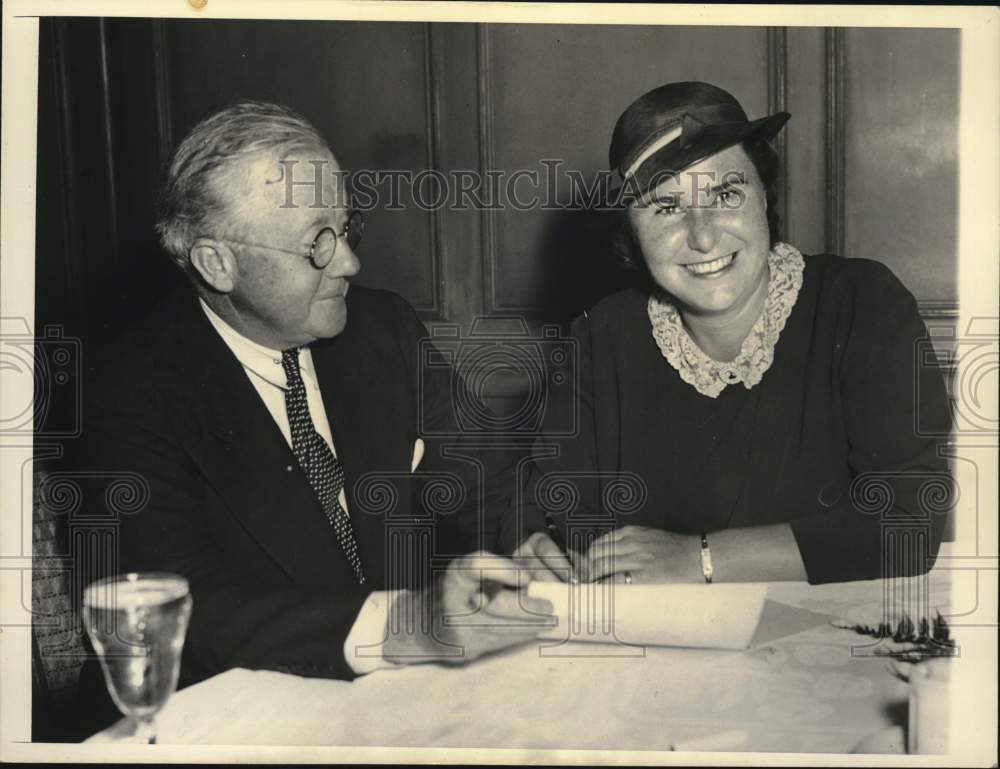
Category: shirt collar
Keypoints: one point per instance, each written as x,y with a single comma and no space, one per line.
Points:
261,360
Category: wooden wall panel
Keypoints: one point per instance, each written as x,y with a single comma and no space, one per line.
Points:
901,166
556,93
459,234
120,92
805,137
364,85
777,101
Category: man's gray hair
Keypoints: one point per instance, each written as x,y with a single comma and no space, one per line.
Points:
189,200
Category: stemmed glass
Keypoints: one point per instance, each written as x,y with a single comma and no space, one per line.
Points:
137,624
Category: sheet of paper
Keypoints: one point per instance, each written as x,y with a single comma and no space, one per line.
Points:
699,616
779,620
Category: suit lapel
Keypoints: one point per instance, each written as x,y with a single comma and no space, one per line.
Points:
345,371
245,458
362,409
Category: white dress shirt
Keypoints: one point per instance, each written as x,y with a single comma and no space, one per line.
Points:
263,367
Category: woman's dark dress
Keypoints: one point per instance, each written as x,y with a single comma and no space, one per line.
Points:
851,398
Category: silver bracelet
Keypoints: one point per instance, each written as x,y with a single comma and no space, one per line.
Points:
706,559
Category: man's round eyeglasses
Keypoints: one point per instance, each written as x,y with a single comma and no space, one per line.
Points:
325,245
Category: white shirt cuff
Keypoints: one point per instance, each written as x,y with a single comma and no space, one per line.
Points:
364,644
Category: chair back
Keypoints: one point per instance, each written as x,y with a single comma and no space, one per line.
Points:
57,648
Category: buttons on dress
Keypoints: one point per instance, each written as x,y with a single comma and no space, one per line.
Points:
830,494
729,375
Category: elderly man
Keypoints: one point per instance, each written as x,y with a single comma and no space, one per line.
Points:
255,406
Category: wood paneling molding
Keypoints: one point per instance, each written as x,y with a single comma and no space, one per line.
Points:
938,309
941,316
161,87
777,101
835,144
433,86
109,144
487,161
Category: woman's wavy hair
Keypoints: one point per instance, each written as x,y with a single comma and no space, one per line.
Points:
625,247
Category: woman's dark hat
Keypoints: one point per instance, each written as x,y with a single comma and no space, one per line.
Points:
675,126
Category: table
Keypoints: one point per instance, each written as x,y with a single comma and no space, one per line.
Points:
816,690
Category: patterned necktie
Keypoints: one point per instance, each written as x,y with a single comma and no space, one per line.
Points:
321,467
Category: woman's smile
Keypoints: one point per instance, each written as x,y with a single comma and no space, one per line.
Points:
712,269
710,255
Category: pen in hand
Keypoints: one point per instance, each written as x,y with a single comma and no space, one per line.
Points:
556,535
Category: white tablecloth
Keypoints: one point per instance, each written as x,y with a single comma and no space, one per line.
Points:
816,690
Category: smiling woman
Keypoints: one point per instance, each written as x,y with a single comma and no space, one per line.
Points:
750,397
709,254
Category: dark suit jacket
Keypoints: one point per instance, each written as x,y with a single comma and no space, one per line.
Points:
230,509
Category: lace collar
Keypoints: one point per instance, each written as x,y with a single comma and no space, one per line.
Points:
709,376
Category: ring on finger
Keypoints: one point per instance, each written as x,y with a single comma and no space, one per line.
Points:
628,578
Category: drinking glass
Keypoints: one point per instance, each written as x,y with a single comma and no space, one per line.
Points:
137,624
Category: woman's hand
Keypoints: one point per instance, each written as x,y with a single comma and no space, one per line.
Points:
543,559
639,555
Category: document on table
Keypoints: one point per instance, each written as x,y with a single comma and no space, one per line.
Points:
699,616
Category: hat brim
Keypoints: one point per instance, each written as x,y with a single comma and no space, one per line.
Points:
672,160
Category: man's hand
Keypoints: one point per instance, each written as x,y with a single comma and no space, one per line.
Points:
644,555
474,608
545,561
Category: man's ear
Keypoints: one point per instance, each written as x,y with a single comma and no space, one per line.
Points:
215,263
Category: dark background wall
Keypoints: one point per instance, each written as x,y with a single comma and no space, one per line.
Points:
870,153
